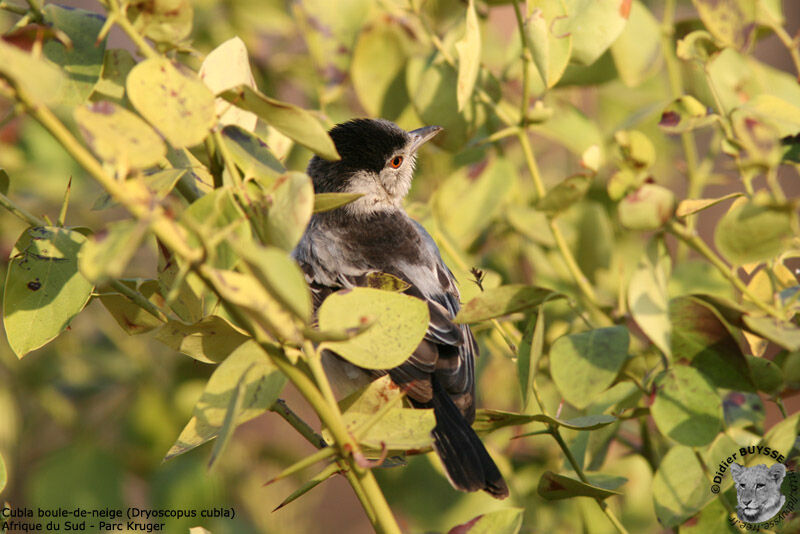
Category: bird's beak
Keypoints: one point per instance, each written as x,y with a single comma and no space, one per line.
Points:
421,135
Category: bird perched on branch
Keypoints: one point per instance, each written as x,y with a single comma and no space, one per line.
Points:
374,234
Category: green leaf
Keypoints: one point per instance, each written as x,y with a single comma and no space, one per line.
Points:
399,324
686,114
784,334
280,276
530,352
700,335
553,487
130,316
469,57
687,408
3,474
751,233
386,282
44,290
693,205
284,211
767,376
637,52
173,99
106,254
5,182
227,67
636,148
732,22
466,205
584,365
777,111
83,62
330,201
117,63
214,216
680,488
647,208
210,340
292,121
572,129
490,420
119,137
595,25
647,296
505,521
251,154
377,69
783,435
549,41
163,21
260,387
503,300
42,81
186,301
564,194
229,424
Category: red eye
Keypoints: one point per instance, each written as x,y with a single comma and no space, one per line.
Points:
396,161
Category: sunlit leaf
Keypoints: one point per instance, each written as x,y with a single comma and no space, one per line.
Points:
40,79
698,46
82,62
3,474
732,22
784,334
165,21
290,120
637,51
503,300
118,136
173,99
491,420
647,295
377,69
251,154
553,486
469,57
130,316
226,67
548,39
564,194
594,25
330,201
398,324
505,521
210,340
117,63
261,385
751,233
686,114
687,408
317,479
680,488
230,421
283,212
694,205
43,287
585,364
107,253
530,352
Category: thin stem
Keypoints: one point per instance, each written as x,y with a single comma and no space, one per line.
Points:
121,19
523,107
694,241
139,300
20,212
304,429
781,407
11,8
785,38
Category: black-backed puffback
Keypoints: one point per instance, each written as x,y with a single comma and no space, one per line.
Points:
374,234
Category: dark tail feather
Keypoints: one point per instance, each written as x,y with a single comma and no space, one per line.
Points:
467,462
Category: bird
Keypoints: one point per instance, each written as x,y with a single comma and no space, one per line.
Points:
374,234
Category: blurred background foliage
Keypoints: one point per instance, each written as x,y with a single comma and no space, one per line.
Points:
86,420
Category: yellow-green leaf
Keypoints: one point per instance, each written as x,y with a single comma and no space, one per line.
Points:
226,67
469,57
106,254
399,323
503,300
41,80
173,99
44,290
261,383
130,316
330,201
548,39
377,70
732,22
290,120
164,21
118,136
751,233
637,52
647,295
210,340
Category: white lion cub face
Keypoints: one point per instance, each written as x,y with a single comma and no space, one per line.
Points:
758,491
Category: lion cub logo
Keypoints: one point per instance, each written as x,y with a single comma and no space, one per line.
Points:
758,491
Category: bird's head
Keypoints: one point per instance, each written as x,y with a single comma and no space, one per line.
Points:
378,160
